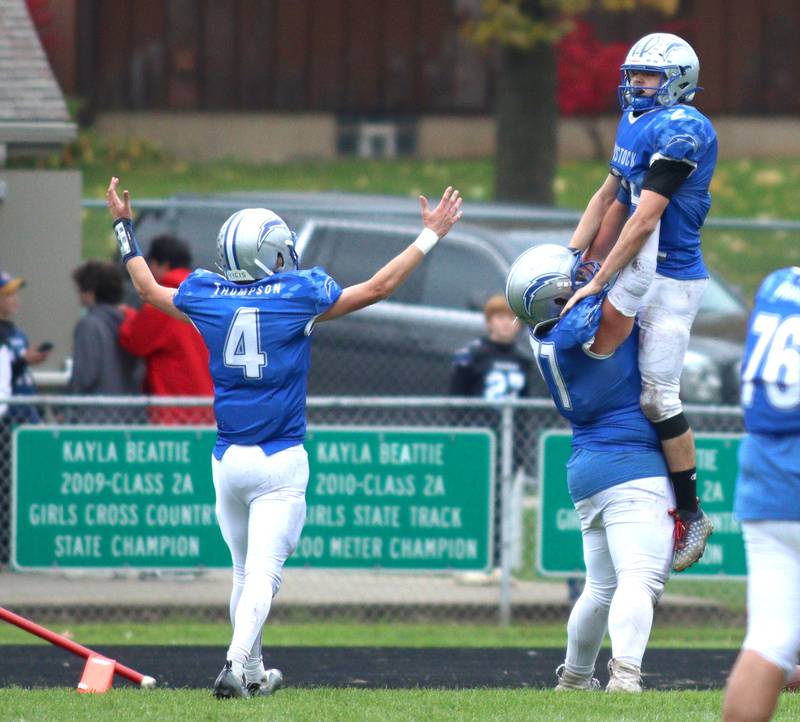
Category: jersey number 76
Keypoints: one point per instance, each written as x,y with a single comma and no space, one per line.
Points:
775,360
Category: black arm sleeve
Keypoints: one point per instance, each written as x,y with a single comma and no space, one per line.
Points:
665,176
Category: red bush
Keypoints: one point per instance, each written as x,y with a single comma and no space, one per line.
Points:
587,71
42,17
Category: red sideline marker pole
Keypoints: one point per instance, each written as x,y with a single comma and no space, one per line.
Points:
141,679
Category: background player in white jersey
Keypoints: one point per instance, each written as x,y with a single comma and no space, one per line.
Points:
768,500
616,474
664,157
256,321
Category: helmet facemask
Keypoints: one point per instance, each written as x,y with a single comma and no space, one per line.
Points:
669,56
542,280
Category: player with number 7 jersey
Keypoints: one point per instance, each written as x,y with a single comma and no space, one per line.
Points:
616,475
256,318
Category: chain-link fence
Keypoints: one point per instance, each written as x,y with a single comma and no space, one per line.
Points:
82,498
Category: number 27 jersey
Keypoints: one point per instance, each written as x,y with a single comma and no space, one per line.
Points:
259,345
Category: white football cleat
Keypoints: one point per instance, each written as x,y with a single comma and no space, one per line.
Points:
229,685
269,683
624,677
570,681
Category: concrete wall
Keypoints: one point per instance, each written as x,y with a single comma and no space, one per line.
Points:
257,137
282,137
40,240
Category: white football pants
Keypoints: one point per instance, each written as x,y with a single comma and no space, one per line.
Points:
665,318
627,549
666,308
773,591
261,508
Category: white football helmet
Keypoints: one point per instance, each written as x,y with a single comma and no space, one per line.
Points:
543,279
250,242
661,53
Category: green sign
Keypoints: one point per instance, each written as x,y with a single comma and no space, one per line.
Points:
560,550
110,497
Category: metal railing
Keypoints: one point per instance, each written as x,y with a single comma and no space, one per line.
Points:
372,207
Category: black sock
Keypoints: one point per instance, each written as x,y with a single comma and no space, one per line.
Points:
685,485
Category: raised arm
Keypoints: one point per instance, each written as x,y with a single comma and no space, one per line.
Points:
639,227
596,209
141,275
437,223
608,233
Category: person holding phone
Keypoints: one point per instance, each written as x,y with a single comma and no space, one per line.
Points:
23,355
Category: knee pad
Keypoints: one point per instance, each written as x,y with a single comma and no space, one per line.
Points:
238,575
276,583
671,428
265,579
649,584
601,594
660,403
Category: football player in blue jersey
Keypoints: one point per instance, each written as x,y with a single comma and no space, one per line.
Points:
616,475
658,186
256,319
768,500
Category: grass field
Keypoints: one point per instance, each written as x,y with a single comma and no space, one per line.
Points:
362,635
370,706
123,705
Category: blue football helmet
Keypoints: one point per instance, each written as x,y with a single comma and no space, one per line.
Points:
668,55
543,279
255,243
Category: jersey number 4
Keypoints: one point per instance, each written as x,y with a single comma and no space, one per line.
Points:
243,344
775,360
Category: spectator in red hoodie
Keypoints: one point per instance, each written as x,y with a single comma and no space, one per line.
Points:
175,356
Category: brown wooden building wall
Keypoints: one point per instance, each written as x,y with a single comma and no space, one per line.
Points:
383,57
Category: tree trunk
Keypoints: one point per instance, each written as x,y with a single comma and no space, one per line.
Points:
526,117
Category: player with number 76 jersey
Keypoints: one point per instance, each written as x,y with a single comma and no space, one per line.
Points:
768,500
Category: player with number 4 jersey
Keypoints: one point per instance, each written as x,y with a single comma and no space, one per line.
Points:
256,318
768,500
259,345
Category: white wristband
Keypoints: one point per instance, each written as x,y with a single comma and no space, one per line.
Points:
426,240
